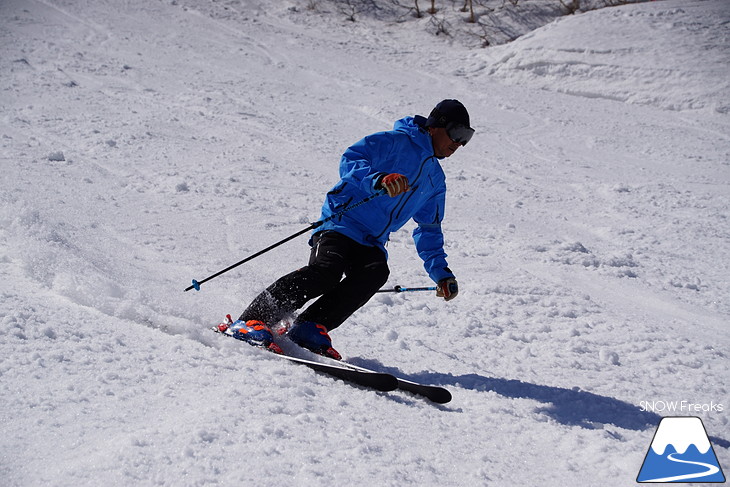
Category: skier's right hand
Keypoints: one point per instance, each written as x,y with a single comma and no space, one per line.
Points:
394,184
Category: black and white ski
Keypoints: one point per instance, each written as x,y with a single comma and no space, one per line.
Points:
433,393
379,381
366,378
436,394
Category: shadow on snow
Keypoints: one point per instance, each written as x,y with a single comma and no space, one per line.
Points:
571,407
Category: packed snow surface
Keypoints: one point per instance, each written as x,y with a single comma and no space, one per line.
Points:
148,143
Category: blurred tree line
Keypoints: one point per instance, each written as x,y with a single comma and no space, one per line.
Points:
472,22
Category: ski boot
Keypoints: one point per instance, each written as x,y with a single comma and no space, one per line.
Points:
313,337
253,332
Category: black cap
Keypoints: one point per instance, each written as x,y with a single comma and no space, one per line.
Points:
448,111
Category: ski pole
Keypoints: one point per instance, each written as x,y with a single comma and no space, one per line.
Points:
401,289
196,284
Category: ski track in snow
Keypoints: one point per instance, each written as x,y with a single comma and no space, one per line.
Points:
148,143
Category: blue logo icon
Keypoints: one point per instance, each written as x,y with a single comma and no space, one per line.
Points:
681,452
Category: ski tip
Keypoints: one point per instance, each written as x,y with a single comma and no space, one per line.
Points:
441,397
196,285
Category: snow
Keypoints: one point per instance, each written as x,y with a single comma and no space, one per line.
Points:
145,144
632,67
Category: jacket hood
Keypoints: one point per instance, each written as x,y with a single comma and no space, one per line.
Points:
415,128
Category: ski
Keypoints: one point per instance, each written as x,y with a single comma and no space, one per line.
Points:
362,376
433,393
367,378
379,381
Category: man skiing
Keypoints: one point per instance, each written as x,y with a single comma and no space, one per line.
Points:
402,163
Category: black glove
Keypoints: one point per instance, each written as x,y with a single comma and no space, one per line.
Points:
447,288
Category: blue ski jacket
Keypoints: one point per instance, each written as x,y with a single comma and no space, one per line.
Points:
408,150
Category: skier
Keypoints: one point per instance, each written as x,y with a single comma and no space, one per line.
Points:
402,163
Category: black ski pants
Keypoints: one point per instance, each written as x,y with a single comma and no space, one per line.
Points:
333,255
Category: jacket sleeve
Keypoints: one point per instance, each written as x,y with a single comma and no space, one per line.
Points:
430,239
363,163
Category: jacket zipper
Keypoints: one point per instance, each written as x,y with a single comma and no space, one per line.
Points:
399,207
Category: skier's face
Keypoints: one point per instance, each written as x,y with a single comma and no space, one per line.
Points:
443,146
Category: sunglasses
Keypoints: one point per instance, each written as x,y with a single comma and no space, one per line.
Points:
459,132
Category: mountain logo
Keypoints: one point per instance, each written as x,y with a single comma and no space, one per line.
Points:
681,452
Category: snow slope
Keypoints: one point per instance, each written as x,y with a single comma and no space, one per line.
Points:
148,143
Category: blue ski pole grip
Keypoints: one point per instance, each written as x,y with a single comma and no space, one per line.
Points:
196,285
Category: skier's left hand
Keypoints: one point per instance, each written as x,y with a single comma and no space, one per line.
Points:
447,288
